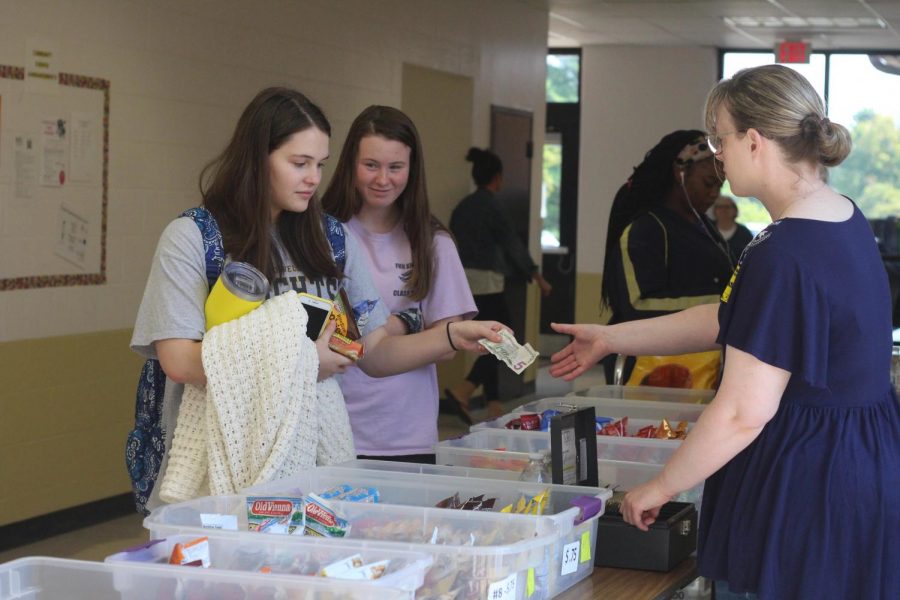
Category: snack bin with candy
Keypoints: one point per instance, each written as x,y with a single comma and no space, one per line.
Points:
607,407
432,485
475,553
622,462
300,557
507,449
645,392
41,578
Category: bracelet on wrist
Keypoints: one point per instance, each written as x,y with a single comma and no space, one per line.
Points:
450,339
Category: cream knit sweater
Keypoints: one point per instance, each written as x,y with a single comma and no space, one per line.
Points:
261,416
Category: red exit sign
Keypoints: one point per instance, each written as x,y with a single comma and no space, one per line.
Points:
792,52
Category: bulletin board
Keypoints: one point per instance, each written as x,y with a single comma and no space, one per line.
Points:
54,146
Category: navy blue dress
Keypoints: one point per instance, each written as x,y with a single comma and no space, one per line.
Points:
811,508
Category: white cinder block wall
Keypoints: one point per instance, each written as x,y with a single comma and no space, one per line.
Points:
181,71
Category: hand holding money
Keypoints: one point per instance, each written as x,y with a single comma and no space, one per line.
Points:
516,356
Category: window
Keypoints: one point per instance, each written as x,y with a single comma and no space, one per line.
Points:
862,98
563,76
550,190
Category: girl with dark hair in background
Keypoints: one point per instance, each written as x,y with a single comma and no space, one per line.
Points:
379,190
490,251
800,448
662,253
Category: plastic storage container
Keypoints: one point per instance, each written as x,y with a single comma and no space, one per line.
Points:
426,489
644,392
300,557
485,554
39,578
622,463
508,449
604,407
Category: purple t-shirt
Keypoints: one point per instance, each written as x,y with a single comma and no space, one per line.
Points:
398,414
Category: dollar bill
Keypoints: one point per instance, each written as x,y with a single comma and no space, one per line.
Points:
516,356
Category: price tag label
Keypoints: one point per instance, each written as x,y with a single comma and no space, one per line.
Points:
570,557
505,589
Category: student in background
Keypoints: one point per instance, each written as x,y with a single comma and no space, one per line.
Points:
379,190
800,448
662,253
737,236
490,251
261,192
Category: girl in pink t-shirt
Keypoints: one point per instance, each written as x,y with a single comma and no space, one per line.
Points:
379,189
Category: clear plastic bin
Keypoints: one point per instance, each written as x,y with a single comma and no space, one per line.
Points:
622,463
603,407
405,467
644,392
482,449
478,552
297,557
40,578
431,484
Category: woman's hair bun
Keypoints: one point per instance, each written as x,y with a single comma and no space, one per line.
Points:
834,142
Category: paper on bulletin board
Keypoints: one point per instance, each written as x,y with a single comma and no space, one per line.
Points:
25,172
54,152
84,147
73,237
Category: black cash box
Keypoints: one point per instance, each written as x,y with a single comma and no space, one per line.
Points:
671,539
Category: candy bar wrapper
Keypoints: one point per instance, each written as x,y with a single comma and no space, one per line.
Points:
681,430
339,567
514,424
335,492
546,416
361,494
322,520
368,571
530,422
646,432
194,553
602,422
479,503
664,431
344,345
276,515
347,327
616,428
451,502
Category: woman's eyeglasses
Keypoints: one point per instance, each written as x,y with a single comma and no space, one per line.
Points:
715,141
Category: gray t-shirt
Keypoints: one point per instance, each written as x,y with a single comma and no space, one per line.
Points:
174,299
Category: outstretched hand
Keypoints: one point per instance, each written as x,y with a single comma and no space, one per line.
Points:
464,335
586,348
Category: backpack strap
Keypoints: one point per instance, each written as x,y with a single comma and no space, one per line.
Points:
213,248
146,443
334,231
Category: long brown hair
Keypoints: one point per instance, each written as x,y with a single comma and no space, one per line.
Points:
236,188
343,200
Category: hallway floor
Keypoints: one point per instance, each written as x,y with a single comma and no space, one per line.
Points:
100,541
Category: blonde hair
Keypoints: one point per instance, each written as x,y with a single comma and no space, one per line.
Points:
783,106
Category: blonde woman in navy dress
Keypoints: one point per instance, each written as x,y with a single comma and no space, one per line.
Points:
800,448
